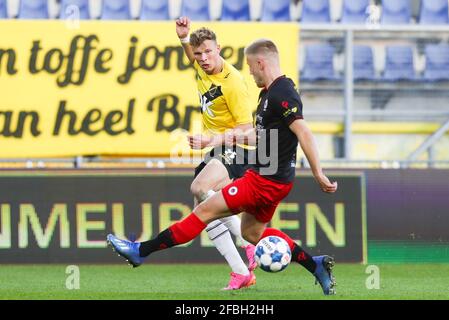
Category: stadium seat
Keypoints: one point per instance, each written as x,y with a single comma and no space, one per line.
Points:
399,64
396,12
437,62
275,10
115,10
33,9
315,11
434,12
354,11
3,12
67,11
319,63
196,10
154,10
363,63
235,10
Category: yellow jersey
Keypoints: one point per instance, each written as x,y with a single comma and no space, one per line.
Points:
224,98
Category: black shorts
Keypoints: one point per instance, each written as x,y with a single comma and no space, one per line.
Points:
235,159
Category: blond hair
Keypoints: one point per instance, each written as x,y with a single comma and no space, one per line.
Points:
262,46
201,35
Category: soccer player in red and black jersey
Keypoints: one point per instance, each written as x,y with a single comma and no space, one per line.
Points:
279,127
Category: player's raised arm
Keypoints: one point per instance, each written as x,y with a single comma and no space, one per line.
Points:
308,145
183,30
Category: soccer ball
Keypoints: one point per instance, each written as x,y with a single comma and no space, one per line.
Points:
272,254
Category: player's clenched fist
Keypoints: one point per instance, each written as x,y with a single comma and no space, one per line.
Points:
182,27
326,185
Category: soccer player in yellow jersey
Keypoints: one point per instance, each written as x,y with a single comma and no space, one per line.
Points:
225,105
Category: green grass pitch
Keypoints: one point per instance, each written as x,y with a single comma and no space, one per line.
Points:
203,282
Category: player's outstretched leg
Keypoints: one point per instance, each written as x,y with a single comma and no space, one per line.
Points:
179,233
319,266
323,273
127,249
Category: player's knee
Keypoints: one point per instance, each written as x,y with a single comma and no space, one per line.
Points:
198,189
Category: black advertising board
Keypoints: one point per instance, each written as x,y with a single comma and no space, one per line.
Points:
64,216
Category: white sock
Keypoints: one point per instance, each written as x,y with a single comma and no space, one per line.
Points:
220,236
233,224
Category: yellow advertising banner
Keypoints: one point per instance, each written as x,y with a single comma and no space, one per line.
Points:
111,88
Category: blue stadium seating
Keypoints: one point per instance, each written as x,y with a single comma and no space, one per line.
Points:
354,11
197,10
235,10
363,63
319,63
275,10
434,12
115,10
396,12
68,11
315,11
437,62
399,64
154,10
3,12
33,9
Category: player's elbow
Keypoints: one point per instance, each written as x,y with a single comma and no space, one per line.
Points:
304,135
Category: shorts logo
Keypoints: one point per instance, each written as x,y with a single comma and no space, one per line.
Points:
229,156
233,191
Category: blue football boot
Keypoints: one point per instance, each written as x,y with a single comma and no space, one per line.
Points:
323,273
127,249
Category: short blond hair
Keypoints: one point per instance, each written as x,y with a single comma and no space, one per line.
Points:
201,35
262,46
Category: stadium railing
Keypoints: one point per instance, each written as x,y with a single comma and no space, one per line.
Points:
416,100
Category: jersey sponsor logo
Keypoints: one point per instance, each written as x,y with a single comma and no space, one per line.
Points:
208,97
233,191
265,105
259,122
289,111
205,106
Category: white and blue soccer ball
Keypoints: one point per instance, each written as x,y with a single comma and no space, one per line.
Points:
272,254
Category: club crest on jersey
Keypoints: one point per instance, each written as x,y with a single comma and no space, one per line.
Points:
213,90
233,191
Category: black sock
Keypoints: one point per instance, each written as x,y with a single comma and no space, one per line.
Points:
162,241
303,258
